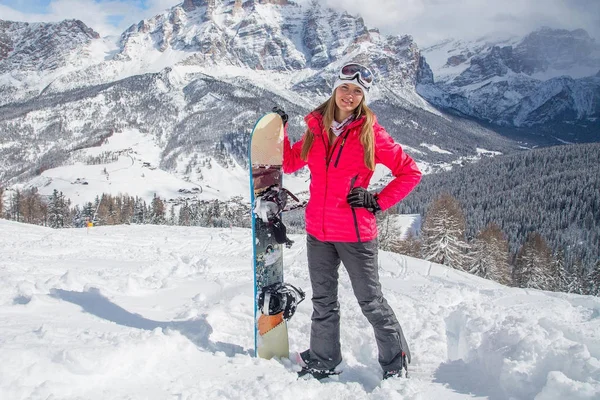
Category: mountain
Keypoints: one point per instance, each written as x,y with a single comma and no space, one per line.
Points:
193,80
155,312
39,52
42,47
545,82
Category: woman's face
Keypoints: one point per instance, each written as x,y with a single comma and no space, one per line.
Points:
347,97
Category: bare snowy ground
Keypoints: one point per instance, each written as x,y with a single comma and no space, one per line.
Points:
154,312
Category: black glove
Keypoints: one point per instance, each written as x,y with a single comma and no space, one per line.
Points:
360,197
282,114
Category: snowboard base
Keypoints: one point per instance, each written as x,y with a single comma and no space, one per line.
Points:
273,335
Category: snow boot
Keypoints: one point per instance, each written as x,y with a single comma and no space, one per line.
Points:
308,371
398,373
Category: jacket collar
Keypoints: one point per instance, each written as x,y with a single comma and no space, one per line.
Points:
314,121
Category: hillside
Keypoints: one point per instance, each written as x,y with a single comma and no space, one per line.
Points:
553,191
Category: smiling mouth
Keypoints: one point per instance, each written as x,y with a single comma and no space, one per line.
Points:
348,102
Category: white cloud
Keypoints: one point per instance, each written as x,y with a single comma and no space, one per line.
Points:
429,21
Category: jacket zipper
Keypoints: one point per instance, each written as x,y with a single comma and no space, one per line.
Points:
337,160
328,157
326,145
352,182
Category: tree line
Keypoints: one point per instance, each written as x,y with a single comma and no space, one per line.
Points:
487,254
57,211
552,191
443,238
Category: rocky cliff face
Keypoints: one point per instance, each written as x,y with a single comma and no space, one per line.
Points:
41,47
275,35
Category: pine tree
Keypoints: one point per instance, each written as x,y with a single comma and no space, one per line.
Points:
575,278
532,269
158,211
32,203
139,211
119,209
385,229
97,202
88,211
444,233
58,210
172,217
77,217
128,210
103,211
185,216
593,281
559,273
15,210
489,258
44,213
112,211
410,246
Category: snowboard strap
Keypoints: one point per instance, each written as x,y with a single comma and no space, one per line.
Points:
269,206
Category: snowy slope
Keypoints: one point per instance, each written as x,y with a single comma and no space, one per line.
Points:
155,312
129,163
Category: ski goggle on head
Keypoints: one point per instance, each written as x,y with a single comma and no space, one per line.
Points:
360,73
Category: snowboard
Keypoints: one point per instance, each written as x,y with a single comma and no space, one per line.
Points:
265,158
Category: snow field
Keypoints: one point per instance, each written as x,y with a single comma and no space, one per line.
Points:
156,312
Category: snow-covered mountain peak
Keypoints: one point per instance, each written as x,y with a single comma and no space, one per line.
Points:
542,54
263,35
547,52
547,76
299,45
42,46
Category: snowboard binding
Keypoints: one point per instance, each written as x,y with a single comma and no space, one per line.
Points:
268,208
280,298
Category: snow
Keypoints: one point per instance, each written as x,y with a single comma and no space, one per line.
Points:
481,151
405,225
437,55
435,148
136,171
158,312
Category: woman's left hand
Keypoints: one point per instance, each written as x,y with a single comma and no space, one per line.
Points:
360,198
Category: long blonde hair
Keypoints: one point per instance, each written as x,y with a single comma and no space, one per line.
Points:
367,136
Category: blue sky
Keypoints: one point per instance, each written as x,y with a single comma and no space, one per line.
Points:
107,17
42,6
427,20
33,6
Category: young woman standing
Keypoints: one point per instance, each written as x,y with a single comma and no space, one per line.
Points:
341,146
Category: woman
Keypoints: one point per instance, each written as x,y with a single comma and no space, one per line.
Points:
341,146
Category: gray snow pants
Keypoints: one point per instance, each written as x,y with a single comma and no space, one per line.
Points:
360,260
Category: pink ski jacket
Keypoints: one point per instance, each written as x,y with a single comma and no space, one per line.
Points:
336,169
